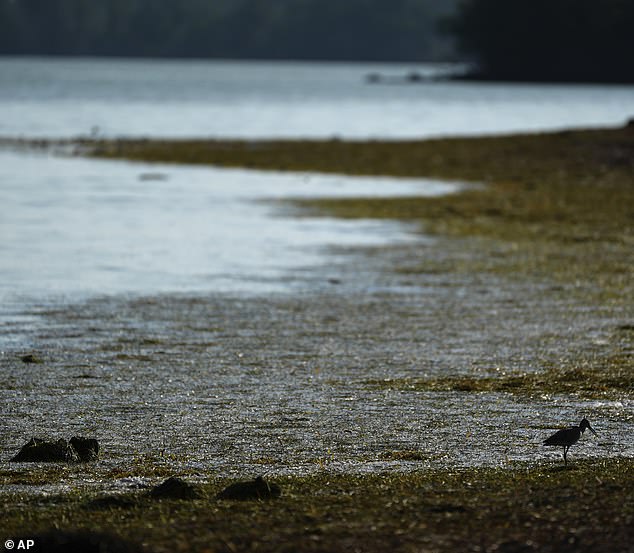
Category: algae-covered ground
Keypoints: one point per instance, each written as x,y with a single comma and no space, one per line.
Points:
522,509
401,404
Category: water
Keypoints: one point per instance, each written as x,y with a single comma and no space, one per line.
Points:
78,227
173,304
73,228
60,97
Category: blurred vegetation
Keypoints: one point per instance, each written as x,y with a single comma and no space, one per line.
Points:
530,40
285,29
548,40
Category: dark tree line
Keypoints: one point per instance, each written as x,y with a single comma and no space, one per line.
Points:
279,29
548,40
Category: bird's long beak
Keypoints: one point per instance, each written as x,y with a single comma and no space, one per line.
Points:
592,430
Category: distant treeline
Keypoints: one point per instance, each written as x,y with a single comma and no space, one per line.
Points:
277,29
548,40
543,40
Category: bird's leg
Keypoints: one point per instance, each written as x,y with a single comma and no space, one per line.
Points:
565,451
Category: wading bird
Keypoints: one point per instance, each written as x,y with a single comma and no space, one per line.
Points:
568,436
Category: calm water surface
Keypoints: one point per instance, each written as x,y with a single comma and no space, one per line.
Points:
73,228
61,97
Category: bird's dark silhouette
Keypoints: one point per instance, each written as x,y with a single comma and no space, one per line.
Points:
569,436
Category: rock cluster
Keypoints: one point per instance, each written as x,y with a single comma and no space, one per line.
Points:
251,489
77,450
174,488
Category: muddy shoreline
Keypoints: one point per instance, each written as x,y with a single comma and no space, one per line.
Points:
528,275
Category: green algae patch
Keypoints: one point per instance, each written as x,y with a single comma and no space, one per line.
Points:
555,206
587,506
480,159
611,382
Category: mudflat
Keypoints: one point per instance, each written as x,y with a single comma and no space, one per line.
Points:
401,405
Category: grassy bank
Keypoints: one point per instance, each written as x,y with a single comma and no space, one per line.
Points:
586,507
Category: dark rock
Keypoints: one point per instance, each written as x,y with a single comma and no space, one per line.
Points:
38,450
175,488
87,449
252,489
409,78
30,358
78,450
83,541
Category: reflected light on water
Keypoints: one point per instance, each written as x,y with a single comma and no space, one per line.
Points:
80,226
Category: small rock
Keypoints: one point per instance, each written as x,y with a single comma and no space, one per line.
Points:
39,450
253,489
30,358
87,449
447,508
175,488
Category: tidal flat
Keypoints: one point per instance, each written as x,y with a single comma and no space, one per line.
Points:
401,404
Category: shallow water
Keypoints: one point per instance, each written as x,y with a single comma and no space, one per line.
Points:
281,384
72,228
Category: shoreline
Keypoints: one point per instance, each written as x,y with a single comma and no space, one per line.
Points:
546,193
559,189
